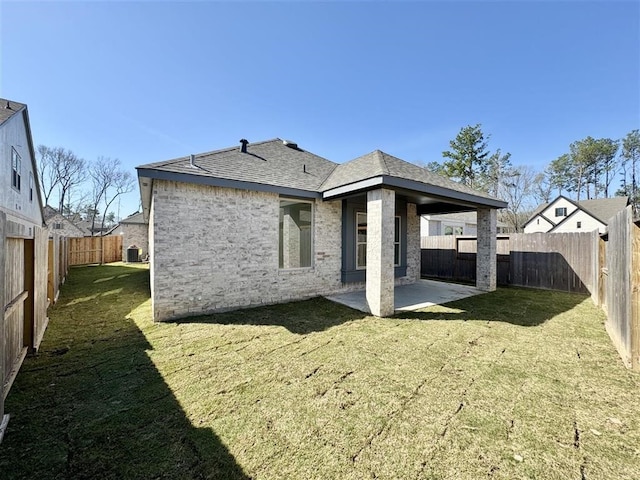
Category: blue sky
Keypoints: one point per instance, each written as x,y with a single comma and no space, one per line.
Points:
150,81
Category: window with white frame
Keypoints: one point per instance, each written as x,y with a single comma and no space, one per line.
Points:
295,234
452,230
30,187
561,211
361,241
16,167
578,224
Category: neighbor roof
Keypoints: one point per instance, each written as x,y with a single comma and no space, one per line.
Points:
9,108
601,209
604,208
134,218
466,217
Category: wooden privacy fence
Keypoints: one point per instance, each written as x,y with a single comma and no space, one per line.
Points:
87,250
24,297
619,289
559,261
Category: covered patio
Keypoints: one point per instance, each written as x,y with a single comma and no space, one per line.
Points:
382,198
421,294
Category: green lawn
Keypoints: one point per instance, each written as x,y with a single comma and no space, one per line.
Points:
513,384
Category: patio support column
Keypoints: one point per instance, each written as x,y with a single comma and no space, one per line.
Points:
380,235
486,266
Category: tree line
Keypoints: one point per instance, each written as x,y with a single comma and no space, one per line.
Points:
81,188
586,171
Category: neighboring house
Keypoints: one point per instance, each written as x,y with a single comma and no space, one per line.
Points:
20,191
563,215
56,223
464,223
23,248
270,222
134,231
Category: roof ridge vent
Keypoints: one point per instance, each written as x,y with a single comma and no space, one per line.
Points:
290,144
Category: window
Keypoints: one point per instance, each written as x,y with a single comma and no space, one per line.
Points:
16,168
361,241
57,226
538,222
579,225
294,249
449,230
30,187
396,242
561,211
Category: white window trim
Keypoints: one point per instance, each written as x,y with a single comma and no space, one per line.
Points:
18,159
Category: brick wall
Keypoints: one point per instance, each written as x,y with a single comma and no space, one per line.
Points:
216,248
134,234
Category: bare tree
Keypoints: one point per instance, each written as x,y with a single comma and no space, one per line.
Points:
517,189
542,187
60,171
108,182
47,172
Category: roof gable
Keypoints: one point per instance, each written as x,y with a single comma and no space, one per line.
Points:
378,163
601,209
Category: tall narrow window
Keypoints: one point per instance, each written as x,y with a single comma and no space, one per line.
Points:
295,227
361,241
30,187
396,242
15,169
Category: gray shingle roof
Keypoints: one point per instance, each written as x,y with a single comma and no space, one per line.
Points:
466,217
270,162
274,166
13,108
600,208
379,163
134,218
604,208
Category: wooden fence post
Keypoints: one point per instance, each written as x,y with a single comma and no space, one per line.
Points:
4,418
634,323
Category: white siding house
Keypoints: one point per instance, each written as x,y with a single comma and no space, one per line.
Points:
20,191
565,215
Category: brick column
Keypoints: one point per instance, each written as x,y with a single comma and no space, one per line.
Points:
486,266
380,273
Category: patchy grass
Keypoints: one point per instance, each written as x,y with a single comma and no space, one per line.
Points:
513,384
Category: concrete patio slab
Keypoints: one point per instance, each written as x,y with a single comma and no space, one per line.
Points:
423,293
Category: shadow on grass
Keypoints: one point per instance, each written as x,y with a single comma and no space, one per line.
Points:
304,317
91,403
519,306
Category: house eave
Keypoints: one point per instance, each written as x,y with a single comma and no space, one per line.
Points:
466,200
147,175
